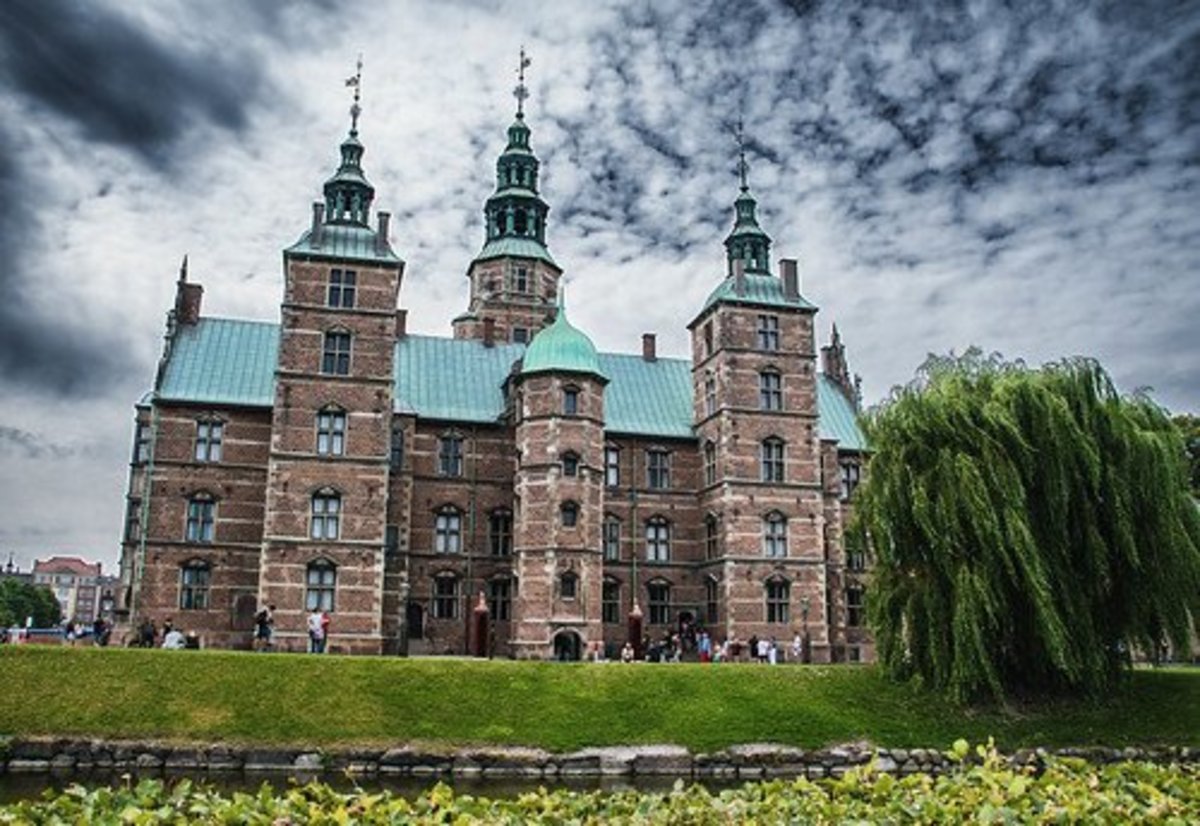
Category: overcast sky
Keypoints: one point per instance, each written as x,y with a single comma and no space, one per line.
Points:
1020,176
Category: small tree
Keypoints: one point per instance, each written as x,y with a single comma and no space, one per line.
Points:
19,600
1030,527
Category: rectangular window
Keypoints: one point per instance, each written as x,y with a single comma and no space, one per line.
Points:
659,603
445,597
570,402
500,599
850,478
335,358
708,338
711,592
775,536
200,520
450,456
778,593
331,433
610,602
712,538
208,441
320,585
770,391
856,558
391,539
658,540
448,532
193,587
612,538
521,281
568,586
141,443
326,516
612,467
500,527
710,394
710,463
397,453
520,335
854,606
133,520
772,460
768,332
341,288
658,469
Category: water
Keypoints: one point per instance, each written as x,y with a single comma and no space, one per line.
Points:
31,785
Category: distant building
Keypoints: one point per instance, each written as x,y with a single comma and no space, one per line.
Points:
11,571
421,487
78,585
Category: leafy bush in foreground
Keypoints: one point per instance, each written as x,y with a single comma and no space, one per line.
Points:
1063,790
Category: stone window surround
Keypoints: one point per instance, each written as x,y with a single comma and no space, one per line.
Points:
450,454
658,468
332,426
210,438
320,585
777,592
342,288
611,537
770,389
337,351
569,513
612,465
658,539
200,526
325,514
610,601
444,595
775,534
772,459
195,578
447,529
658,602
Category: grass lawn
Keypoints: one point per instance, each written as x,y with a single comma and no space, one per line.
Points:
332,700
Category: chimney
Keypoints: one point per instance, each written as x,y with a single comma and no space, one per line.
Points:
381,237
791,279
489,332
401,323
189,303
739,276
314,235
649,352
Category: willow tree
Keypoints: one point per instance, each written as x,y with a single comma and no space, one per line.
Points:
1030,527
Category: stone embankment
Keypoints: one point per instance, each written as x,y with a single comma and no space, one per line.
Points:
747,762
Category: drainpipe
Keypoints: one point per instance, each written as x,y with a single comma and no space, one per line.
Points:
139,560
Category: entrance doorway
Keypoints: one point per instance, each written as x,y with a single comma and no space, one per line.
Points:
415,616
567,646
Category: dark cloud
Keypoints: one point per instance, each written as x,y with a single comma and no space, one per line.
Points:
17,442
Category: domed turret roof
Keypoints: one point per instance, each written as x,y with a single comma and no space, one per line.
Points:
561,348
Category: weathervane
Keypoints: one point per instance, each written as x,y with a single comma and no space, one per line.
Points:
355,109
740,137
522,91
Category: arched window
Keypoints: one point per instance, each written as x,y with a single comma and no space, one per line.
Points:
658,539
771,460
712,537
710,463
612,537
320,584
570,463
658,602
335,353
570,514
774,528
331,431
326,514
778,593
194,577
610,601
201,519
770,390
445,596
568,585
447,534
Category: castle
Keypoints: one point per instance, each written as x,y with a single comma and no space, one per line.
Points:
509,490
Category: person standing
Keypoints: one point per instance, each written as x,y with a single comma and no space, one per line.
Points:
316,632
264,622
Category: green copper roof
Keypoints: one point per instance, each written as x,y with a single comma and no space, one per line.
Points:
225,361
759,290
561,348
648,398
838,419
516,248
222,361
345,241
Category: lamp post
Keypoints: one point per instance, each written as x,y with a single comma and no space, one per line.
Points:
806,643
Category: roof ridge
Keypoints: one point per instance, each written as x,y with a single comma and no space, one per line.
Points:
235,320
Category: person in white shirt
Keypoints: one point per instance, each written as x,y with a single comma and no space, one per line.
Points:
316,632
174,639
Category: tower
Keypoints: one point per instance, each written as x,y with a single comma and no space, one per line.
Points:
514,280
327,473
559,491
755,414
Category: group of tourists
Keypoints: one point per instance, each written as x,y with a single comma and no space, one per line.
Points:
149,636
673,648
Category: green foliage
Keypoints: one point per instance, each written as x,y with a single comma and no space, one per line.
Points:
985,791
336,701
19,600
1189,426
1030,528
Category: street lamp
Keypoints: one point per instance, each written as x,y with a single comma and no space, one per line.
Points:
806,644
